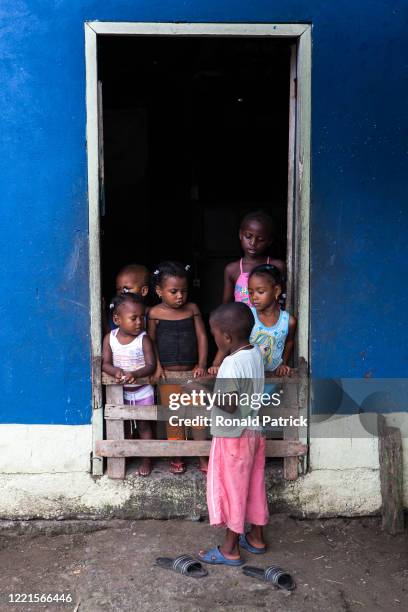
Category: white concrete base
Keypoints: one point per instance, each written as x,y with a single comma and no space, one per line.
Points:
46,475
50,496
328,493
38,449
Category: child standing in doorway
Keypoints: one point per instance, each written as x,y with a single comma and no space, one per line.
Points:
128,354
133,278
255,234
236,474
177,329
274,329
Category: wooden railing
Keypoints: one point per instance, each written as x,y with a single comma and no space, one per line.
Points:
116,448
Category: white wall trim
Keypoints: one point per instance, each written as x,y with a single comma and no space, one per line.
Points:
198,29
94,240
302,199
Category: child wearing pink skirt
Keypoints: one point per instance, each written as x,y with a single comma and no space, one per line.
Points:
236,472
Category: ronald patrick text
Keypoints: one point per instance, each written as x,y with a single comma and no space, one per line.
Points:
249,421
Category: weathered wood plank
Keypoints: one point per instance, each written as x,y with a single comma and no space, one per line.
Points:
391,476
186,448
180,377
114,395
162,413
278,30
291,406
94,239
115,430
290,247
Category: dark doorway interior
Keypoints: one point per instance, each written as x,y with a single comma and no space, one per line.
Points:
195,136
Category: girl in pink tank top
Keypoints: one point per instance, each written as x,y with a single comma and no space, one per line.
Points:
241,284
255,234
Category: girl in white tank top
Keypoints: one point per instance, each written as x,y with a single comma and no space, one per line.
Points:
128,354
129,358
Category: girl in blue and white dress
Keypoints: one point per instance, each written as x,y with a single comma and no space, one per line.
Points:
274,329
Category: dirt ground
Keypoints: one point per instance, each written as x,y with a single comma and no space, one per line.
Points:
338,564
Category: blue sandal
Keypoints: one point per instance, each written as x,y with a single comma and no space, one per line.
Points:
255,550
215,557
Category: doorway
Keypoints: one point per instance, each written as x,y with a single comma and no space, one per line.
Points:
195,128
195,135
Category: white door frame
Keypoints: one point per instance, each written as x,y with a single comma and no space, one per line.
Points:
301,178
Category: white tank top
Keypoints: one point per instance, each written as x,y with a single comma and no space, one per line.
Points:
130,357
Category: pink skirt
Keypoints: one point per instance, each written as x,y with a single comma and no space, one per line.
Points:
236,481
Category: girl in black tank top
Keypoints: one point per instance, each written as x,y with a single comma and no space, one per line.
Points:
178,331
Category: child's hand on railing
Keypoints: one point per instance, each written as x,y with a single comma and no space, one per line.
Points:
159,373
119,375
198,371
283,370
130,378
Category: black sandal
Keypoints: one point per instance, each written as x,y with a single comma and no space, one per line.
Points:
274,575
184,564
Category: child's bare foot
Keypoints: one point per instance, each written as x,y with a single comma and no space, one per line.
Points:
145,467
255,537
203,465
228,554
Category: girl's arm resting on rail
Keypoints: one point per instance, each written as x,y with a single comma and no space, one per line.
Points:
218,359
202,342
159,371
284,369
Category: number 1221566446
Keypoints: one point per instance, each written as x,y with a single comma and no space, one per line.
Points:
17,598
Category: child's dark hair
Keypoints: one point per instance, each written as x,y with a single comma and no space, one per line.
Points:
234,318
268,270
138,270
262,217
167,269
124,298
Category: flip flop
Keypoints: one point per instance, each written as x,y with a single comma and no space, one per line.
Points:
177,467
274,575
255,550
215,557
184,564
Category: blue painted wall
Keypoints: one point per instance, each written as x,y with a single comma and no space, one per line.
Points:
359,168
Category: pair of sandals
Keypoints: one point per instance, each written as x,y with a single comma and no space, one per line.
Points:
188,566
